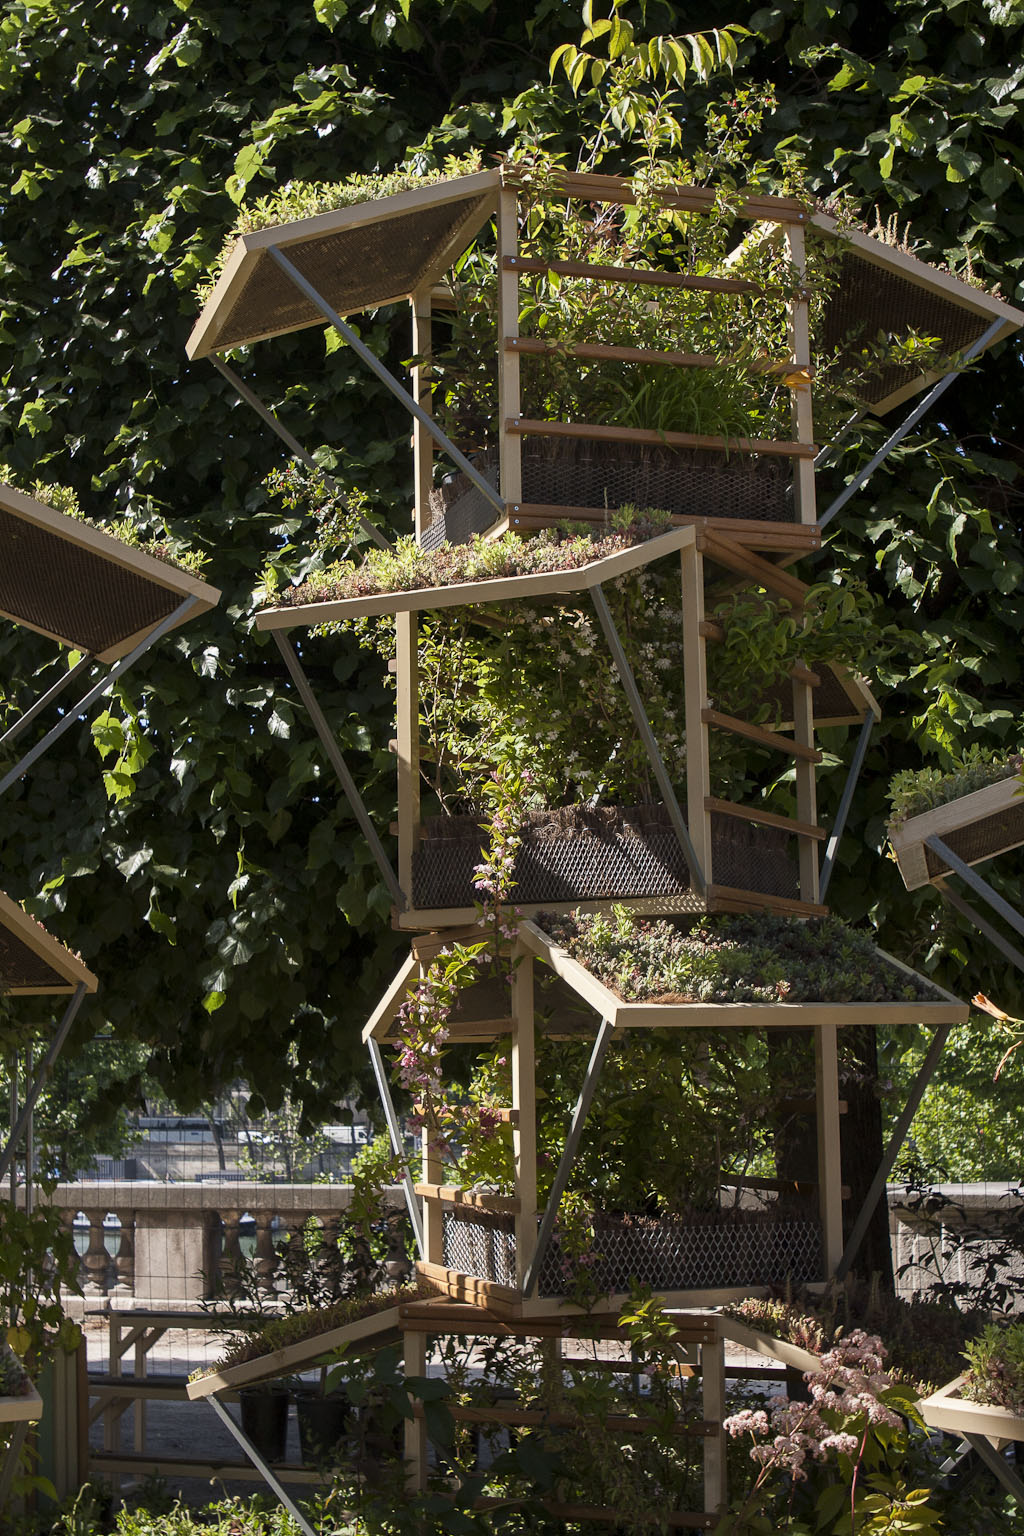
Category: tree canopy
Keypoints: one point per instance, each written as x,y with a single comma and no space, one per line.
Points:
214,881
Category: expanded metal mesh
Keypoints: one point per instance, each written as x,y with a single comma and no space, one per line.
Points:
610,853
694,482
352,269
981,839
830,699
61,589
870,299
20,966
666,1255
483,1245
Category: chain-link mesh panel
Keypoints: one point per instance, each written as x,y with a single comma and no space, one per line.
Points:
20,966
870,299
609,853
981,839
693,482
481,1244
55,586
352,269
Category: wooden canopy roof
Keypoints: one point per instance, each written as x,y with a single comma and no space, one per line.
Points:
884,289
32,962
86,589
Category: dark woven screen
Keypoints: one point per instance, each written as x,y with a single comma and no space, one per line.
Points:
982,839
831,701
604,854
352,270
20,966
871,299
563,473
58,587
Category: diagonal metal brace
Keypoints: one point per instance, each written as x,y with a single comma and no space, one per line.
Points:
45,699
387,378
912,420
330,746
892,1150
643,726
1010,951
996,1463
105,685
974,880
839,825
39,1081
384,1089
568,1156
261,1466
292,443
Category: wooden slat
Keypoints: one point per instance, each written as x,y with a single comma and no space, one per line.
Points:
453,1280
450,1194
293,1357
617,190
711,631
593,432
773,538
609,352
765,818
802,674
427,946
758,733
597,272
732,898
726,552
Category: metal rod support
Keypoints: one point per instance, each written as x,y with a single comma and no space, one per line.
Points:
330,746
859,480
643,726
974,880
568,1156
384,1089
261,1466
387,378
1010,951
105,685
839,825
44,699
892,1150
292,443
39,1081
996,1463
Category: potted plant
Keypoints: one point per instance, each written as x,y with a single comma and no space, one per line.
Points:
988,1398
264,1411
323,1410
976,809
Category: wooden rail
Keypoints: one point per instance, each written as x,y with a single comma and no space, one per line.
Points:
765,818
764,738
591,432
597,272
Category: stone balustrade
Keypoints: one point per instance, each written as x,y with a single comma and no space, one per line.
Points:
174,1243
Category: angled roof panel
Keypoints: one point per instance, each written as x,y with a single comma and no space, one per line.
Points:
882,288
358,258
32,962
69,581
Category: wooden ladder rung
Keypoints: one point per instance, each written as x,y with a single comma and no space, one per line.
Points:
765,818
759,734
478,1200
732,898
796,374
591,432
746,563
598,273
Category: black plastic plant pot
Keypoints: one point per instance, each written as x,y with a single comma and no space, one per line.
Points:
322,1422
265,1419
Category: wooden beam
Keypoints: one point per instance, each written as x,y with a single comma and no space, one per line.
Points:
766,818
725,551
596,272
451,1194
592,432
759,734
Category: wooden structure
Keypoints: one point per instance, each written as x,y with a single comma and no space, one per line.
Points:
976,827
16,1414
741,510
986,1428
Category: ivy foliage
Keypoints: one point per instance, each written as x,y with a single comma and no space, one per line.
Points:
214,881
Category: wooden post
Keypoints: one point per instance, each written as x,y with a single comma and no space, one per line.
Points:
432,1172
800,352
407,712
524,1101
806,788
830,1175
510,443
712,1372
422,391
415,1358
695,684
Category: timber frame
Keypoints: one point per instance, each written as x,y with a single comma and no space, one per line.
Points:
985,1428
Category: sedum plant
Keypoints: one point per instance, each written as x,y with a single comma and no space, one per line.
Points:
996,1367
916,790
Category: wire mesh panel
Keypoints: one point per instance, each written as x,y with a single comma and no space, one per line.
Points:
981,840
607,853
483,1245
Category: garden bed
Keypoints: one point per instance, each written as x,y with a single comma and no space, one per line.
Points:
975,827
607,853
947,1409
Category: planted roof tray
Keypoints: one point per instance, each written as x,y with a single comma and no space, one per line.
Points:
86,589
32,962
975,827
